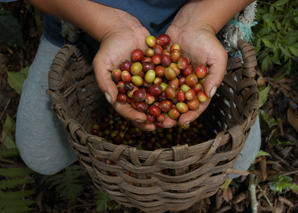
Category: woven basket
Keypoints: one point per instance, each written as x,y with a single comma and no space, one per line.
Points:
229,117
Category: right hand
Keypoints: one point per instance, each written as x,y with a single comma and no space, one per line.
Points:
116,46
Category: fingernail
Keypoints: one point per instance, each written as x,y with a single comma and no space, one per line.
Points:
213,91
140,121
109,98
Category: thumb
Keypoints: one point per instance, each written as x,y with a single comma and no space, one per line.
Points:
215,76
103,77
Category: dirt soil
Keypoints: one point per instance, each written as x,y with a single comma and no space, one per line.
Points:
281,105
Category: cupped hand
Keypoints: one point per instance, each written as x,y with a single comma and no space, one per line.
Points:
202,46
116,46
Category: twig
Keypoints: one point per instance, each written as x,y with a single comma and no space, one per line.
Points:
266,197
5,108
6,161
252,190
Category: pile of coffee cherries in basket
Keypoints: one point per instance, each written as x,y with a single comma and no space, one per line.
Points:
160,81
117,130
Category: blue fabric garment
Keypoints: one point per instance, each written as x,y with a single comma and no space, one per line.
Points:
155,15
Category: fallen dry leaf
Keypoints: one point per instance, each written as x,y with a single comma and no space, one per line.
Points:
292,118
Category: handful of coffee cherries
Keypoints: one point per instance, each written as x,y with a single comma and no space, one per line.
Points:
160,81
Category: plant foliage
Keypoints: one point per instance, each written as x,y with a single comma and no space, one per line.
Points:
14,198
68,183
10,29
280,182
276,34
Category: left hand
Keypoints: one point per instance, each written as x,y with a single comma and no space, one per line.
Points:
202,46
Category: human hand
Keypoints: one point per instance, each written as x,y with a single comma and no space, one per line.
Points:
116,46
202,46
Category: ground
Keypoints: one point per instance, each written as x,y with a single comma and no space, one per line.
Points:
281,104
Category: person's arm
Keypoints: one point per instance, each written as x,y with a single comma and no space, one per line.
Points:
195,27
119,34
95,19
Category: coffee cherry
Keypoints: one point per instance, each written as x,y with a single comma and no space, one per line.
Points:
122,97
149,52
191,80
142,107
193,104
174,47
185,88
94,115
170,73
156,59
174,83
116,75
154,110
174,114
158,124
175,67
170,92
137,55
165,105
182,63
137,80
201,71
150,118
151,41
157,80
125,65
198,87
182,107
188,70
190,95
139,95
150,76
145,59
148,66
155,90
149,99
175,55
201,96
161,117
158,50
136,68
165,60
130,93
125,76
163,40
181,96
159,70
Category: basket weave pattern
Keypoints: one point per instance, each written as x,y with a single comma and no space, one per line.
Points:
199,170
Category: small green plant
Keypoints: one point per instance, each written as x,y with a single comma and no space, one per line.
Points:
104,201
276,34
67,183
13,195
280,182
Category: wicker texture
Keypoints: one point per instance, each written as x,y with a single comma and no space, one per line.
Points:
199,170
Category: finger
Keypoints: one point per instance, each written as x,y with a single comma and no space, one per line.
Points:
169,123
217,70
192,115
104,78
144,126
126,111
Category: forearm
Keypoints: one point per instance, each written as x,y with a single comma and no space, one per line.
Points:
209,13
95,19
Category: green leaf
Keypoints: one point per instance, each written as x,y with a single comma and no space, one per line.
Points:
280,182
268,43
15,195
9,184
9,153
8,128
261,153
265,63
268,119
271,25
10,29
102,199
15,172
15,206
16,79
281,2
263,95
294,50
